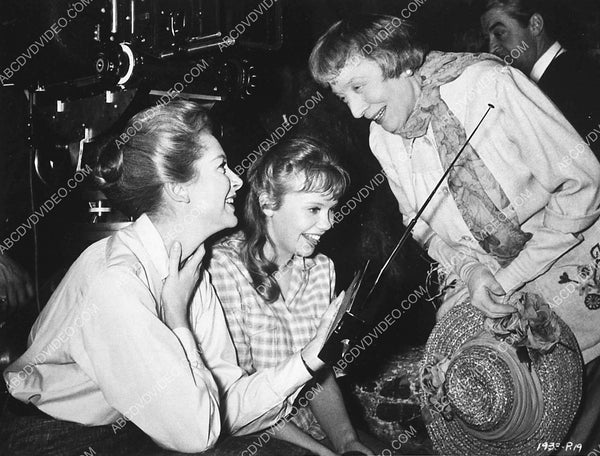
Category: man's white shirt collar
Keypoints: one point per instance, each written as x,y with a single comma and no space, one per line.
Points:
545,60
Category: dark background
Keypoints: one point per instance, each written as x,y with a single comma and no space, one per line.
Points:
369,232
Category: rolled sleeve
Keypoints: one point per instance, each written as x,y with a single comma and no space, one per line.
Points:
460,261
250,402
422,232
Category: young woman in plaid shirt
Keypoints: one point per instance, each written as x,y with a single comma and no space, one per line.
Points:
112,365
274,287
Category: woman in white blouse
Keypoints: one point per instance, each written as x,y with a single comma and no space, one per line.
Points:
113,345
520,208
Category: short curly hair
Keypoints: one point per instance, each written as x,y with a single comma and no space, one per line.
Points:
387,40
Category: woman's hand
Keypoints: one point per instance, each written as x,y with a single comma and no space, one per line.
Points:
487,294
179,286
310,353
293,434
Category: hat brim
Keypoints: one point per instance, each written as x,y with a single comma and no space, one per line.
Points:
560,373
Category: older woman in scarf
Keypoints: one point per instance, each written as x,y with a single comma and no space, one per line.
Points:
519,210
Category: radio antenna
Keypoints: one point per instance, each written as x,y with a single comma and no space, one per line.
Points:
413,222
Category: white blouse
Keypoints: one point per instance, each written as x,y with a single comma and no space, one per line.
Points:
99,352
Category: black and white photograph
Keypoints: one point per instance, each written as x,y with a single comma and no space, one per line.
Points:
300,227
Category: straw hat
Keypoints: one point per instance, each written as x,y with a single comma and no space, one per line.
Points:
500,386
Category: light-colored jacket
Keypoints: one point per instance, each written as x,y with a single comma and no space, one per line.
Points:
545,168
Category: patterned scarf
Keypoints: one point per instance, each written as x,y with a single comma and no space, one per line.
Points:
483,204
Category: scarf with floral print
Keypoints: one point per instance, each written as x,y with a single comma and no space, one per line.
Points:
483,204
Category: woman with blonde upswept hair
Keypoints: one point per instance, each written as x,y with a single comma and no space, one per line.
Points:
112,363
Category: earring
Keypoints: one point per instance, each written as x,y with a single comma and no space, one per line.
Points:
409,72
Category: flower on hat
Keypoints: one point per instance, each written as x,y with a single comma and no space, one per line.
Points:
526,396
534,325
433,377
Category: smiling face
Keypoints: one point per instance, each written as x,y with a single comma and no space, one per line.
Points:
507,35
297,226
363,87
212,191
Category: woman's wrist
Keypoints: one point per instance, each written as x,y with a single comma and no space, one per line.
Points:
175,320
468,270
310,370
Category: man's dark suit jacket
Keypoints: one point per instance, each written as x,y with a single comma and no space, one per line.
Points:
573,84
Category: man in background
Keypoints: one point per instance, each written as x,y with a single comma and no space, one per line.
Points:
567,77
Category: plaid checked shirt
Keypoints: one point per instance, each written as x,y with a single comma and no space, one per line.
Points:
265,334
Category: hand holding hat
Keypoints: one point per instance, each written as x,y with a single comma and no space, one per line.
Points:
499,386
